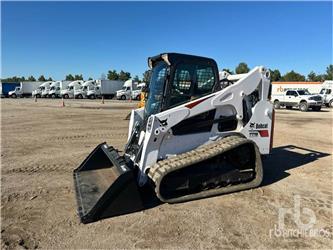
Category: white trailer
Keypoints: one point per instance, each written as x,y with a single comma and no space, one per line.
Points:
282,87
105,88
24,90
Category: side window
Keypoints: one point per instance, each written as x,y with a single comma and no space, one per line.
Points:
205,81
322,91
182,81
58,88
328,91
181,84
291,92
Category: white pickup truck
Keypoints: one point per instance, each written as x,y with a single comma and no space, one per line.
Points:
301,99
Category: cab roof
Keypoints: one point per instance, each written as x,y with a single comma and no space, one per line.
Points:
173,58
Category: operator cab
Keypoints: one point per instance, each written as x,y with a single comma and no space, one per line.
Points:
177,79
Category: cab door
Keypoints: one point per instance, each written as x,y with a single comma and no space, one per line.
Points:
291,98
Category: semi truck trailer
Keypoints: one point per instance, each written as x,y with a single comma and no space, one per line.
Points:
6,87
24,90
105,89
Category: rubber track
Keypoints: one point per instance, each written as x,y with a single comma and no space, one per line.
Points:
164,167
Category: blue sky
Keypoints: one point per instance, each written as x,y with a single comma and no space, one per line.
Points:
57,38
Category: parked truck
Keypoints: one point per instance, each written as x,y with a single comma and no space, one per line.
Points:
301,99
46,90
69,91
24,90
42,90
82,91
126,91
136,93
105,89
326,93
6,87
56,88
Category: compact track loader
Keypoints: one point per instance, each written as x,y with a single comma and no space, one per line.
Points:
200,133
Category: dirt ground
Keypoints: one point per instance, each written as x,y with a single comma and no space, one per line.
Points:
42,142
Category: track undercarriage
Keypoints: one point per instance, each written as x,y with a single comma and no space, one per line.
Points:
226,165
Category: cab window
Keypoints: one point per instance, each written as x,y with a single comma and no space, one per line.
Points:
205,80
181,84
190,82
291,93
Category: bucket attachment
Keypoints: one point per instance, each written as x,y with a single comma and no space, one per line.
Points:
105,186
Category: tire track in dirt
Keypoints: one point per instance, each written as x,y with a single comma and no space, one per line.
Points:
40,168
34,166
35,194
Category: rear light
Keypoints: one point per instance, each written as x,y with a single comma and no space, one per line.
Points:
263,133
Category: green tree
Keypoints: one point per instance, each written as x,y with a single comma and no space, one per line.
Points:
113,75
275,75
293,76
313,77
78,77
50,79
229,71
146,76
124,76
69,77
41,78
89,79
329,72
242,68
31,78
13,79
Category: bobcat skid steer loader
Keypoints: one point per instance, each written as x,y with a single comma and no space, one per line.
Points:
200,133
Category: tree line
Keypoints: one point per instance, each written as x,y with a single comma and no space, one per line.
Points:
290,76
241,68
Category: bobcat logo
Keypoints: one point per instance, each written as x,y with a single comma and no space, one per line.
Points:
164,122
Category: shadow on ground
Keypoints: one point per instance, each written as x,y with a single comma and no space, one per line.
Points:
284,158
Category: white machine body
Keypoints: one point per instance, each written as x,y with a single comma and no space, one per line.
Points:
159,142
